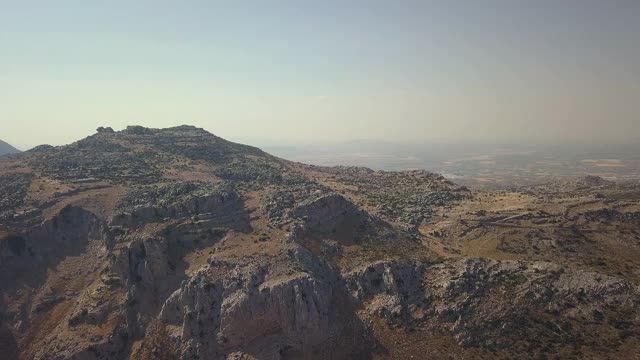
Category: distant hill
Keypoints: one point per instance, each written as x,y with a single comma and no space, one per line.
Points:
7,149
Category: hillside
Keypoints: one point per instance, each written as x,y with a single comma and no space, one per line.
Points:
7,149
175,243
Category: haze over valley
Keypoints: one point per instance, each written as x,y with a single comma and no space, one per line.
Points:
478,165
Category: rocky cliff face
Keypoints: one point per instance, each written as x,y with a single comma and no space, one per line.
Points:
66,233
258,310
176,244
326,212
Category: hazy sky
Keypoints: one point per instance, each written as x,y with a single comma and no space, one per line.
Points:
295,71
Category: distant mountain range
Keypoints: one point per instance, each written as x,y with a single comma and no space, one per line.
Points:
7,149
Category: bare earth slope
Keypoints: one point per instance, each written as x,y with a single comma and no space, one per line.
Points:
175,243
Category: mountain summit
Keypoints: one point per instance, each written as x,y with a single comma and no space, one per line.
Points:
138,154
177,244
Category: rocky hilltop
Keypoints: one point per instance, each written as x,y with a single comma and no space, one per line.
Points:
177,244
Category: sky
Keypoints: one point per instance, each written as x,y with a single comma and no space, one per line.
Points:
299,72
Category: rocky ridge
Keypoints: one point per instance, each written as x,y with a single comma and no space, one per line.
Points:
174,243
